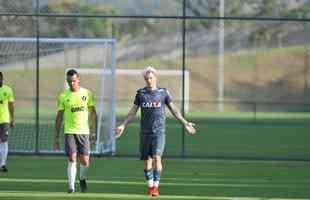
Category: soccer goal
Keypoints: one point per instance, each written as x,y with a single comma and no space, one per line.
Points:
37,88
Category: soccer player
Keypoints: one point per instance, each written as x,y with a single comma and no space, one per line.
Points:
152,100
74,107
7,120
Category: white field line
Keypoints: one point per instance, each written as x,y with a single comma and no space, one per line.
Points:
124,196
190,184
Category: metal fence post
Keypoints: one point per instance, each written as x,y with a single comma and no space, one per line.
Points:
183,74
37,77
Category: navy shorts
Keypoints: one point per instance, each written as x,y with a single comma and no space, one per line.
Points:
77,143
151,145
4,132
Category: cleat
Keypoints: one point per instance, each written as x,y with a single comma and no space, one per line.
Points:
155,192
83,186
150,191
70,190
4,169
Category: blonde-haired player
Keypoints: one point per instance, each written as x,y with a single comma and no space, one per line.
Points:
152,100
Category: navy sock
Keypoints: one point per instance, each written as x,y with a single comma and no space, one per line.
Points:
149,175
157,175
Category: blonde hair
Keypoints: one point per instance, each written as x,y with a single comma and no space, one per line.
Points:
149,69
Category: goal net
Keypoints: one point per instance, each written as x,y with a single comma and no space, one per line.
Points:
35,70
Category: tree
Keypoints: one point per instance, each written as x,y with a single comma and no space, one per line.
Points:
16,26
268,7
210,8
78,26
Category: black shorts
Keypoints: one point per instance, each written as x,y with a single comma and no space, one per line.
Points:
151,145
77,143
4,132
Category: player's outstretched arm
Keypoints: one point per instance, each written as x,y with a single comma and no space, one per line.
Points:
131,114
189,126
58,124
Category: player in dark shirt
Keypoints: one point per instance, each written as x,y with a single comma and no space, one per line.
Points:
152,104
152,101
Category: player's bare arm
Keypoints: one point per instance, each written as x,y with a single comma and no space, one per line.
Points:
131,114
177,114
12,113
93,127
58,125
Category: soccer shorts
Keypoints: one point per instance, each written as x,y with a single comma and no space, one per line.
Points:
77,143
4,132
151,145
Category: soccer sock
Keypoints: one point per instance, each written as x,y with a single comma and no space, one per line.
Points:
156,177
1,152
149,176
71,174
4,152
83,172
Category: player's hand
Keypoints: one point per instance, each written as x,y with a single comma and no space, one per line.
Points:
93,138
12,124
190,128
119,130
56,145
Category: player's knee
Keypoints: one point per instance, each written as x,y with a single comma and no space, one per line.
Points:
148,164
3,140
157,163
72,157
84,160
157,159
85,163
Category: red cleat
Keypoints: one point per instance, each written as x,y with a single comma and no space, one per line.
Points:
150,191
155,192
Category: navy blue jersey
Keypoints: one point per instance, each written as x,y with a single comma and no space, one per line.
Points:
152,104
